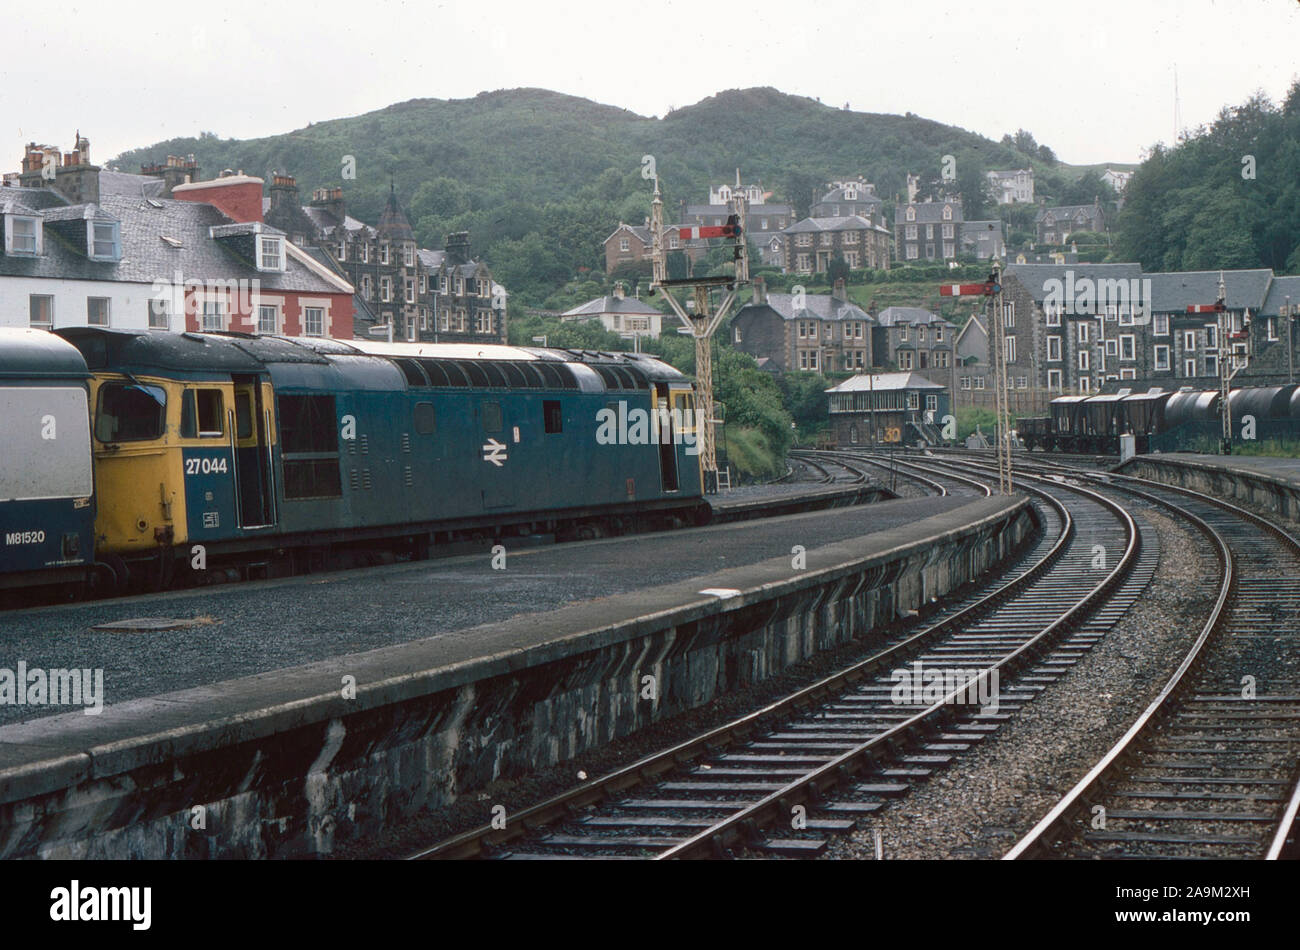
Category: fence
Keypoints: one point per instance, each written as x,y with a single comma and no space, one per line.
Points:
1021,402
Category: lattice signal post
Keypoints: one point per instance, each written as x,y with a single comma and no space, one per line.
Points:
991,290
700,321
1234,354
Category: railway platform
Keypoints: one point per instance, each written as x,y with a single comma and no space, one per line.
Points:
294,710
1262,482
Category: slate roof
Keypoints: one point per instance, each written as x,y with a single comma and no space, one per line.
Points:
928,212
818,307
290,217
611,304
327,222
883,381
1173,292
837,195
763,210
125,183
854,222
26,200
897,316
1064,212
1034,277
146,257
1278,291
392,222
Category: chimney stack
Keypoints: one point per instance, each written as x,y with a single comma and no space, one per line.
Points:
838,292
457,247
177,170
283,191
760,291
330,200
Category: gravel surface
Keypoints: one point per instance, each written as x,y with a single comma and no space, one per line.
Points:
991,795
262,626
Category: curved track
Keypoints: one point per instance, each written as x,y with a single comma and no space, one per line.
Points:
776,781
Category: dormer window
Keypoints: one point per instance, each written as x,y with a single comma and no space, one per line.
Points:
911,214
23,235
947,212
105,241
270,253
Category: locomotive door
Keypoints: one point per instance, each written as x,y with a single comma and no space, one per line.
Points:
250,427
668,479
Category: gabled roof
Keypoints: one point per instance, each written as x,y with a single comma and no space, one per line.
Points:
1061,212
883,381
1174,292
1278,291
897,316
854,222
863,196
927,212
816,307
611,304
640,230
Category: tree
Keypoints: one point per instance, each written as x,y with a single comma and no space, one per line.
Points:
837,269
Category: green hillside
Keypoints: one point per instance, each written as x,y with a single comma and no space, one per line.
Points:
540,178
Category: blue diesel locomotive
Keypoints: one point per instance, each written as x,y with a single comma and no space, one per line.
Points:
223,455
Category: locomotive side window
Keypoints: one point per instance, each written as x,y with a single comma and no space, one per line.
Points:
309,440
129,412
425,418
201,414
491,416
552,417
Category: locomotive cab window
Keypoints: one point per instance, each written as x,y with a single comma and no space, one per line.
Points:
553,418
130,412
201,414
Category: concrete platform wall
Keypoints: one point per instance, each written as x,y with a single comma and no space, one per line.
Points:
1254,489
283,765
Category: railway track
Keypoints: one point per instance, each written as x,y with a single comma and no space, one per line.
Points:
781,779
1211,768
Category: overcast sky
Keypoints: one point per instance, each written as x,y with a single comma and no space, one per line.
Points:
1095,81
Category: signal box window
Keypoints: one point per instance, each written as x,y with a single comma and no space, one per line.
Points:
309,442
554,419
130,413
201,414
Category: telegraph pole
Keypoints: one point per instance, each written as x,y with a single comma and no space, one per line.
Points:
699,321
